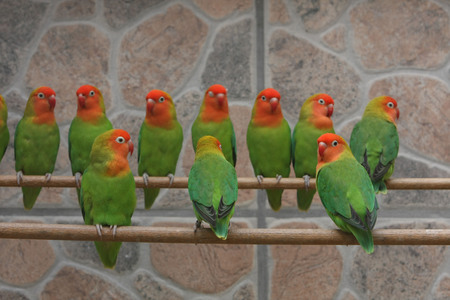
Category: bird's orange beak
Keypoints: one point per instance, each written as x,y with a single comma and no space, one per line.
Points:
322,148
52,101
130,147
274,103
330,110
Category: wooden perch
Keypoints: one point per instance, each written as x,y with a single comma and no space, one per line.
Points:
243,182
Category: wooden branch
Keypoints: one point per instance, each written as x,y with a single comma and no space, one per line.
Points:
243,182
252,236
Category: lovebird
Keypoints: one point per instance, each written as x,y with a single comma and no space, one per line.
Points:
374,140
4,132
160,141
214,119
36,141
212,186
89,122
345,189
269,142
314,120
107,195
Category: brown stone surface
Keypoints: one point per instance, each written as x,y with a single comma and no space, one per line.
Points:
222,9
299,70
24,262
79,284
305,269
347,295
442,290
317,15
20,22
229,62
278,12
12,295
187,106
160,53
120,12
202,268
397,272
245,292
151,289
424,122
75,9
390,34
240,116
335,38
64,62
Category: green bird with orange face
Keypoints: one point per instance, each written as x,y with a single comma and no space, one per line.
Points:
314,120
160,141
269,142
374,140
36,141
108,190
214,119
90,122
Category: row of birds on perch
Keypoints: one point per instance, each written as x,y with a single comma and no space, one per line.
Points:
347,177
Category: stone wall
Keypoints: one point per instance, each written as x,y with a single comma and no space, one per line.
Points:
353,50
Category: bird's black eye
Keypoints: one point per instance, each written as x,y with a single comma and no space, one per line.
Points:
41,95
91,93
161,99
120,139
321,101
390,105
263,98
334,143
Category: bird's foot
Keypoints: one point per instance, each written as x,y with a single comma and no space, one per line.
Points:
48,176
19,177
114,229
171,178
278,178
198,224
306,178
260,178
145,177
78,179
99,229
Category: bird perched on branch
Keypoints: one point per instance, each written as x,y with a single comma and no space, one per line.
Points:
36,141
160,141
90,122
4,132
212,186
374,140
214,119
269,142
345,189
314,120
107,195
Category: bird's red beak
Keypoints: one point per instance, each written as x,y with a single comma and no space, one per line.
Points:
322,148
52,101
398,113
130,147
274,103
150,105
82,100
220,99
330,110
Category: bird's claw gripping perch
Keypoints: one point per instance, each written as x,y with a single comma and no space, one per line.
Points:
171,178
279,178
114,229
19,177
145,177
78,179
99,229
260,178
306,178
48,176
198,224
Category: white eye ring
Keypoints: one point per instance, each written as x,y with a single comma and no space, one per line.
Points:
91,93
120,139
263,98
390,105
41,95
321,101
161,99
334,143
211,94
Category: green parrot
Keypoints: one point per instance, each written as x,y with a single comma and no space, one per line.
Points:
160,141
4,132
269,142
108,190
89,122
213,119
374,140
345,189
314,120
212,186
36,141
